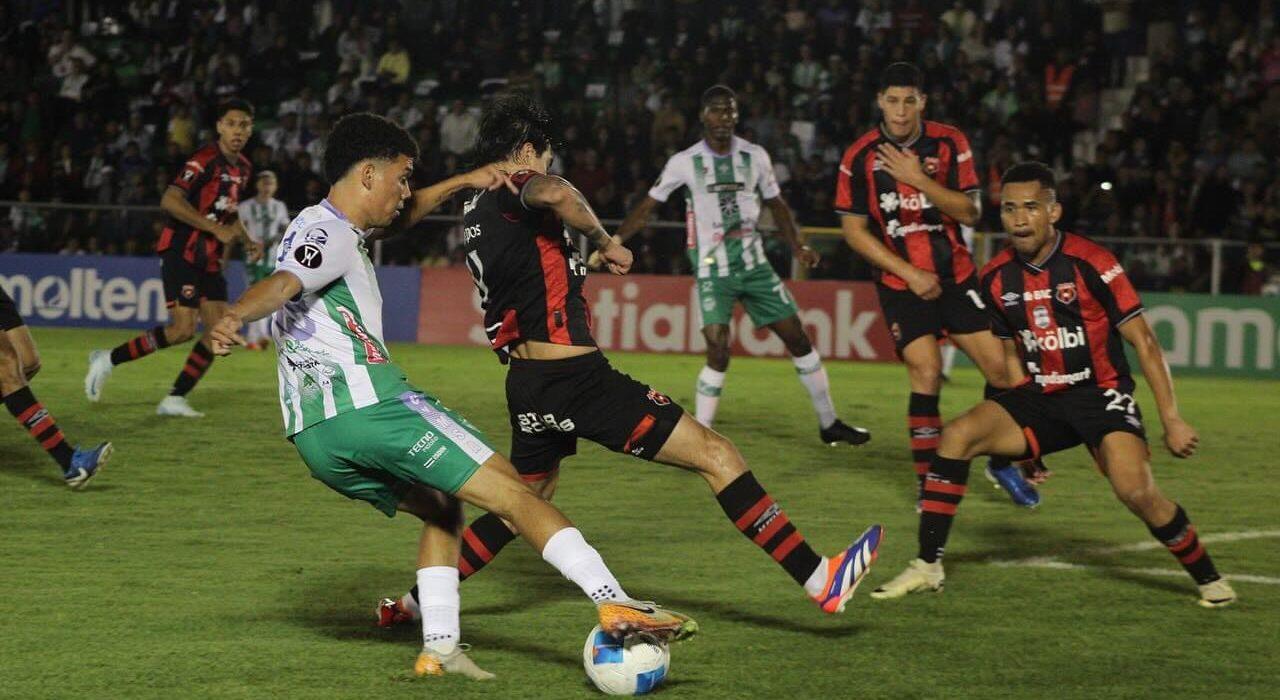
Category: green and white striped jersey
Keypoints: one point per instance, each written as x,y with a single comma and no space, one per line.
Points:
722,204
330,355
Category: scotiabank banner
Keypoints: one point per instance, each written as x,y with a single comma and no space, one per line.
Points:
126,292
651,313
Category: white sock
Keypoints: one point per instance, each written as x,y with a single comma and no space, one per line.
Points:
948,359
817,580
581,563
814,378
440,604
710,384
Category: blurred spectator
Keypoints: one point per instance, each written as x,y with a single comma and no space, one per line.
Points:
458,129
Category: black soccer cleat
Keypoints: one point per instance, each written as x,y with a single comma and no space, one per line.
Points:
839,432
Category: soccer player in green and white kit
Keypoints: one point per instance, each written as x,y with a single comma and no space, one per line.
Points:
365,431
725,178
265,219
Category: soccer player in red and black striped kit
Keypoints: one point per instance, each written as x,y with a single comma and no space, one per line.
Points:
560,387
201,203
903,190
1062,306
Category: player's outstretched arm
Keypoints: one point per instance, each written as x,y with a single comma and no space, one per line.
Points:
429,198
561,197
257,301
1179,437
636,219
904,166
786,222
925,284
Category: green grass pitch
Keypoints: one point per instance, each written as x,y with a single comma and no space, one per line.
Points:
204,562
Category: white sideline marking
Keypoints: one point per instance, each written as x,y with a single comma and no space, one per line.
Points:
1053,563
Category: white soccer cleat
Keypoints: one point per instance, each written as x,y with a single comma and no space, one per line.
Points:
432,662
918,576
99,370
1217,594
177,406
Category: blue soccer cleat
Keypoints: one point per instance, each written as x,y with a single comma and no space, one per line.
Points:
845,572
85,464
1009,478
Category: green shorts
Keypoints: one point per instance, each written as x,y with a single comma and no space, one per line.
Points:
378,453
759,289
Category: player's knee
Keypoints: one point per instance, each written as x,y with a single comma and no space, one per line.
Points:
11,378
721,459
1141,500
961,439
925,377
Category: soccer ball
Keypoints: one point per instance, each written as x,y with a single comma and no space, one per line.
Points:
633,665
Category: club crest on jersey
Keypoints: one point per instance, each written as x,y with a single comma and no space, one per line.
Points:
658,398
896,330
188,291
372,354
931,165
1066,292
308,255
1040,316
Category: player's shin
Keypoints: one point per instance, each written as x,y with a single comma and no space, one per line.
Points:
1180,537
814,378
755,514
924,426
198,362
139,347
707,400
439,607
481,541
944,488
40,424
579,562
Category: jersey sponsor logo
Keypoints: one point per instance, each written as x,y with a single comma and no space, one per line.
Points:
1010,298
1060,339
1036,295
533,423
895,229
372,354
428,439
658,398
470,233
309,256
1066,292
722,187
892,201
435,457
1113,272
1040,316
1072,378
318,236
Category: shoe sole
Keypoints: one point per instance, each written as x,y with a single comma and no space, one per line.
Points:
838,443
1214,604
926,588
176,414
102,462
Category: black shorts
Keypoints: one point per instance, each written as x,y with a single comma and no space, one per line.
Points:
959,310
554,402
1066,418
9,318
188,285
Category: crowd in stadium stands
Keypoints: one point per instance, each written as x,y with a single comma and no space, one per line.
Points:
104,107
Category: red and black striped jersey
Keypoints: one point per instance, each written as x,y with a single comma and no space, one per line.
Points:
527,270
903,216
1064,314
212,184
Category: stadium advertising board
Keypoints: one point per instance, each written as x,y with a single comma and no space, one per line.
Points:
652,313
102,291
1229,335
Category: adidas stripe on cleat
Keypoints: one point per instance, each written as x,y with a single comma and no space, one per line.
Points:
846,571
622,617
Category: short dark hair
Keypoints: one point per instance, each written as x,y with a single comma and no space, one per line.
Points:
1030,171
510,121
364,136
901,74
234,104
717,91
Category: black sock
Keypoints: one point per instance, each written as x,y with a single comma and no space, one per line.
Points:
924,426
763,522
140,346
198,363
943,491
1183,543
481,542
994,461
37,420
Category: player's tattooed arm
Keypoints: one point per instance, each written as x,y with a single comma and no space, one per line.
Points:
1179,437
568,203
427,199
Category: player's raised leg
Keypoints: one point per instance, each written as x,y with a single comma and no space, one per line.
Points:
1123,457
78,466
809,369
828,581
984,429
